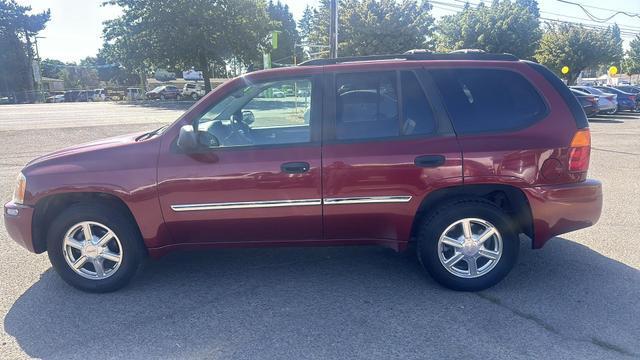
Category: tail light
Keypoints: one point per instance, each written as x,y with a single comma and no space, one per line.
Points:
580,151
593,100
632,98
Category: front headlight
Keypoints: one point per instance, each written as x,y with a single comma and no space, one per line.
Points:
21,188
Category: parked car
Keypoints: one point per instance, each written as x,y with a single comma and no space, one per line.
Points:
78,96
385,168
607,102
134,94
193,91
589,102
71,95
163,92
304,92
277,93
629,88
626,101
55,98
100,95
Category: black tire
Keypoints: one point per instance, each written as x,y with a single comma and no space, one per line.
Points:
436,222
120,223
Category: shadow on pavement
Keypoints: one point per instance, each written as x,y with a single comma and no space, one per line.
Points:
564,301
602,119
159,104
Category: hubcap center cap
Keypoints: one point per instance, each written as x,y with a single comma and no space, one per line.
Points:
470,247
92,251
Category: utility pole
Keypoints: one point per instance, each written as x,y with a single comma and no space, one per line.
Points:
333,29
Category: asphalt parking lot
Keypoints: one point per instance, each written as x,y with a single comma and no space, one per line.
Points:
579,297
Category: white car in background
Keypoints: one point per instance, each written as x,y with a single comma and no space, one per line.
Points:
99,95
192,90
56,98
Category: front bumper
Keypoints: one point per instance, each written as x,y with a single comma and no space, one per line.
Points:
558,209
17,221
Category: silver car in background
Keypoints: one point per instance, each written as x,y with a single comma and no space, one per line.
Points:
608,103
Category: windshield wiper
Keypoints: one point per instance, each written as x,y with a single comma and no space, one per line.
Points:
151,134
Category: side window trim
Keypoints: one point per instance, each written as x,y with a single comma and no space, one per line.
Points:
442,121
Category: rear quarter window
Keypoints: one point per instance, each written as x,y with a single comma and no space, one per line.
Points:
488,100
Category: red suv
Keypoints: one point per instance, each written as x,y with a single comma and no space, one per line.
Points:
461,154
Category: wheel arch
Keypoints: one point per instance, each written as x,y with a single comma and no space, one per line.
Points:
509,198
49,207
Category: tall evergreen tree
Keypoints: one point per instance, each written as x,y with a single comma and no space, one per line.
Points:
631,63
288,32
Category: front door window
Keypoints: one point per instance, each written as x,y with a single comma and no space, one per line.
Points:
275,112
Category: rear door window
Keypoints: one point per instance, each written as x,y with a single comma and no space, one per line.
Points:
488,100
366,106
371,106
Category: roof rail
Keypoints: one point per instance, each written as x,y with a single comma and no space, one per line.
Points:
416,55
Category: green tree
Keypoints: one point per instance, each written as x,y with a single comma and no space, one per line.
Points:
576,47
369,27
631,63
305,23
288,32
615,45
502,27
188,34
17,28
51,68
79,77
531,5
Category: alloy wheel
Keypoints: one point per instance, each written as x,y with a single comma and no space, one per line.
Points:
92,250
470,248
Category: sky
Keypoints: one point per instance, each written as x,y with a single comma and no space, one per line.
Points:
75,29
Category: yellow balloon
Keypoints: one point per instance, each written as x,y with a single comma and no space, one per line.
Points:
613,70
565,69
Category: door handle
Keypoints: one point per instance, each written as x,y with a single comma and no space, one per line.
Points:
295,167
429,161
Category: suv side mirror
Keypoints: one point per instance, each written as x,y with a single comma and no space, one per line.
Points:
191,141
187,140
248,117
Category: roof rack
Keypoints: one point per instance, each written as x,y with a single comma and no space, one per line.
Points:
417,54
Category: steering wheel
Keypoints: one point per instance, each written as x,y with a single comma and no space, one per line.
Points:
239,132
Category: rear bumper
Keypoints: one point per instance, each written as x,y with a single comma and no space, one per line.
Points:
559,209
17,221
607,105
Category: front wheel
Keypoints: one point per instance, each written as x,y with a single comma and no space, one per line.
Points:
468,245
94,247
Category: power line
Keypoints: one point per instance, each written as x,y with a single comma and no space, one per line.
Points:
595,18
625,31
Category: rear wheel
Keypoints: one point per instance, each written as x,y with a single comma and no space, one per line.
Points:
94,247
468,245
194,96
